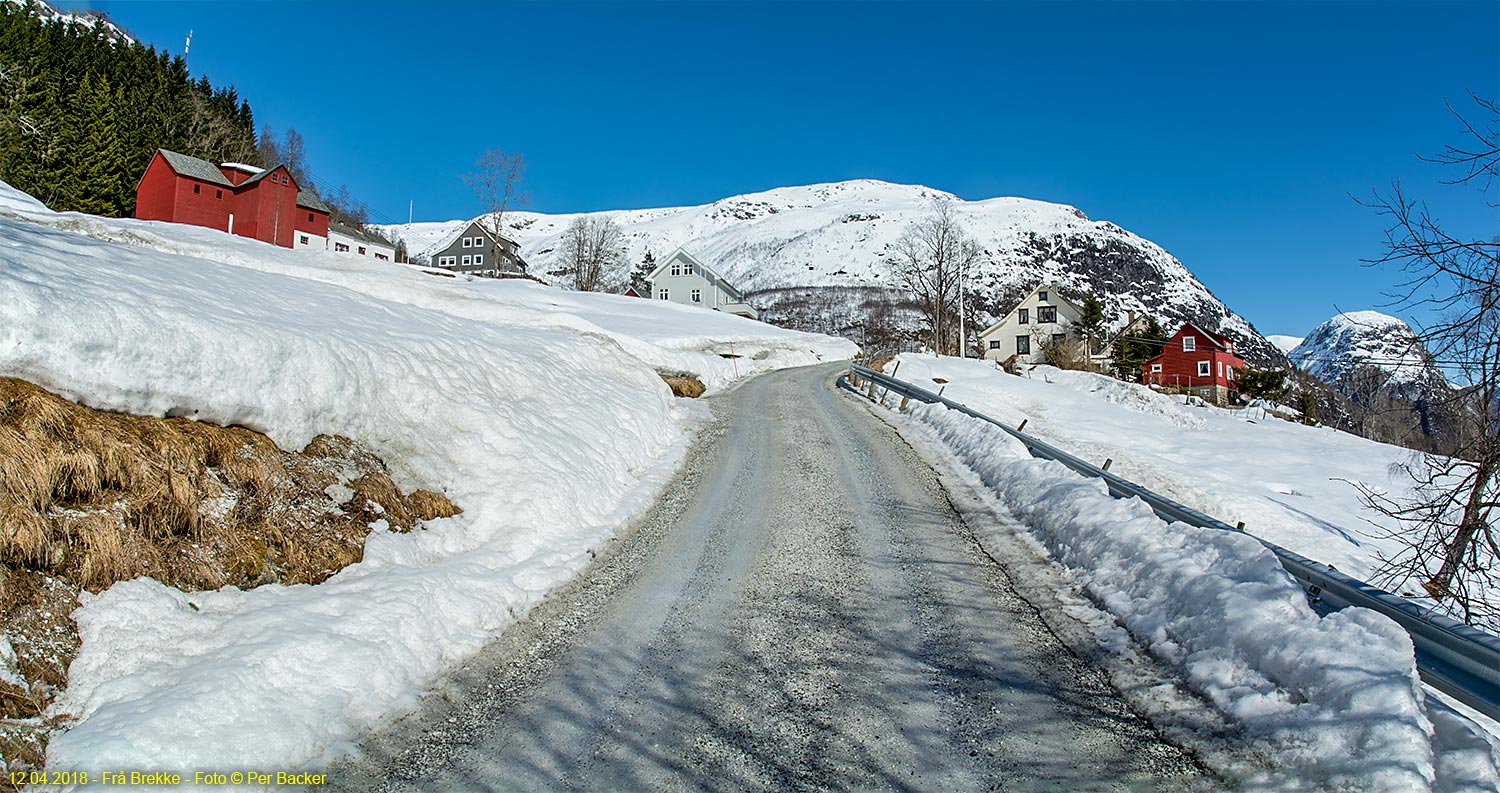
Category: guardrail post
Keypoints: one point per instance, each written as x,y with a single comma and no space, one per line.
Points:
1107,462
903,404
1022,425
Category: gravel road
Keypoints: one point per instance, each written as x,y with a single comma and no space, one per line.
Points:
802,609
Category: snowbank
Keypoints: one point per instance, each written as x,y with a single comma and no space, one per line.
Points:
540,414
1332,703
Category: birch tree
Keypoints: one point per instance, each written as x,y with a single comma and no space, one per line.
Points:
593,248
1446,526
496,182
928,260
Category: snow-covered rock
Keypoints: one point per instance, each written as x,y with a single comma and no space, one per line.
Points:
1357,339
839,235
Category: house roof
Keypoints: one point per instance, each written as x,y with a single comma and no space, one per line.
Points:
1218,340
195,168
465,231
715,276
307,199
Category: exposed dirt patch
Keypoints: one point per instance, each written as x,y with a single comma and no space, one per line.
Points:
89,498
684,385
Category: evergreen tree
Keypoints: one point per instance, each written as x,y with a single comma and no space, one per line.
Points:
1091,322
1261,383
638,280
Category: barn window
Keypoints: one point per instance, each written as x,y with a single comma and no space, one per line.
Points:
1189,343
1025,316
302,239
1023,345
218,194
195,188
361,250
309,217
1155,368
340,247
1046,314
1204,369
382,257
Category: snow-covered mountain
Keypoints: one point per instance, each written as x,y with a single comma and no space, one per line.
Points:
1356,339
1285,343
839,234
89,19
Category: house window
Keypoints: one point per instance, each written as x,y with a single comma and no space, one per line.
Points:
468,242
676,268
196,189
479,258
697,296
1023,345
1221,368
1059,338
661,294
361,250
1189,343
302,239
1025,316
468,259
478,241
1155,368
687,269
995,345
340,247
1041,297
1204,369
1046,314
382,257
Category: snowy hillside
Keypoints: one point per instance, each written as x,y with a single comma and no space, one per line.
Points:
539,412
837,235
1366,338
48,13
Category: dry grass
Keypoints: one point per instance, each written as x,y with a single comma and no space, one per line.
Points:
684,385
89,498
878,364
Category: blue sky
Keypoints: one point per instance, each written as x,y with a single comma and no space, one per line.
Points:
1232,134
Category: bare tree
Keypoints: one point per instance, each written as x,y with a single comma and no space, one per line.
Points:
1446,525
928,260
497,185
593,249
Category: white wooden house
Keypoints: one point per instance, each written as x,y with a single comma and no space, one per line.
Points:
681,278
1042,318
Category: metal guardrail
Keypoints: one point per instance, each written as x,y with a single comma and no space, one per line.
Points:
1457,659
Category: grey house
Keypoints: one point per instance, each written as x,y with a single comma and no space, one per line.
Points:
474,250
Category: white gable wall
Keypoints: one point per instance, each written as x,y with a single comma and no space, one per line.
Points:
680,279
1001,340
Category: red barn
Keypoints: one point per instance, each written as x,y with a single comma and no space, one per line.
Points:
1198,361
266,205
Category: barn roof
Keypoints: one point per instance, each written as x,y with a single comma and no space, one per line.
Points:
307,199
195,168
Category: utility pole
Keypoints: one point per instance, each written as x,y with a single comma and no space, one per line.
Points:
410,202
963,291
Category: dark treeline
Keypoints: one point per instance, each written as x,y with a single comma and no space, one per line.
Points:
81,113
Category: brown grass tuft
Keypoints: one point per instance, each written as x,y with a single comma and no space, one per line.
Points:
89,498
683,385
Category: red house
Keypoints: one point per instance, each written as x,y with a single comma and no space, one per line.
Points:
1197,360
266,205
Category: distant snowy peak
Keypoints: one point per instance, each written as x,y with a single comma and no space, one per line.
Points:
89,19
842,234
1285,343
1355,339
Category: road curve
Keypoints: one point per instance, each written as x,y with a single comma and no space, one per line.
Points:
802,609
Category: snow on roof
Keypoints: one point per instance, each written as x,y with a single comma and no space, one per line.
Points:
239,166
